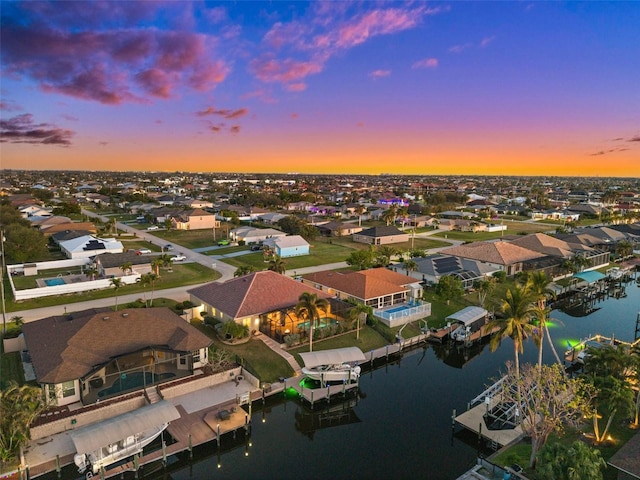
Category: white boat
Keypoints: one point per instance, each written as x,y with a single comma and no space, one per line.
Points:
337,365
333,373
105,443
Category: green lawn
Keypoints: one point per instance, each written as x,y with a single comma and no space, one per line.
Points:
268,365
11,369
513,228
192,238
185,274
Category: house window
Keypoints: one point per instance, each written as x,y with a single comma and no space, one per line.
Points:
195,355
68,389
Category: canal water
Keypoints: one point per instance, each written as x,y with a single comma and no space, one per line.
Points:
400,424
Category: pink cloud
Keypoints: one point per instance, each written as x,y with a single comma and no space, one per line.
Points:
487,40
376,22
460,48
23,129
284,71
380,73
296,87
114,66
426,63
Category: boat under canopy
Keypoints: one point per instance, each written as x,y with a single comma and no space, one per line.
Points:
467,316
97,435
336,356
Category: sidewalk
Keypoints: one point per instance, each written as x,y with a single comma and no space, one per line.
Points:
275,346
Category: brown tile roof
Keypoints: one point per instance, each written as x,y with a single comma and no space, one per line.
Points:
254,294
365,284
67,347
500,253
542,243
110,260
61,227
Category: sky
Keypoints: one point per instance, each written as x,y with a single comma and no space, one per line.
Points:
358,87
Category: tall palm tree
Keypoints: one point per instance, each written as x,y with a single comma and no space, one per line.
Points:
359,313
19,406
126,267
116,283
309,306
277,264
538,284
517,306
156,264
410,265
360,209
484,288
612,395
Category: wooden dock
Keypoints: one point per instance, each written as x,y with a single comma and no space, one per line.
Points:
191,430
473,420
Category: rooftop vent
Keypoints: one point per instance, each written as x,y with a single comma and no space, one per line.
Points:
125,314
105,318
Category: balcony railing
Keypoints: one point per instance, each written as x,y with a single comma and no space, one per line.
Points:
409,313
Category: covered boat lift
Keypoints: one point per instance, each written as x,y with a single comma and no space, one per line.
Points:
336,356
92,438
470,319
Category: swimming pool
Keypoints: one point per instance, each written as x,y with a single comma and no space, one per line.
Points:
129,381
54,281
320,323
398,309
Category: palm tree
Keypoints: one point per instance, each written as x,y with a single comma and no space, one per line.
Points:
91,271
156,264
359,312
360,209
244,270
612,395
20,406
538,284
410,265
389,215
624,249
126,267
309,306
384,254
116,283
484,288
517,306
277,264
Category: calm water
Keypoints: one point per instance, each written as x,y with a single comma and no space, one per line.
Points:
399,427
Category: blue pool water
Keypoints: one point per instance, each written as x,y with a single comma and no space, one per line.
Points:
397,309
54,281
320,323
129,381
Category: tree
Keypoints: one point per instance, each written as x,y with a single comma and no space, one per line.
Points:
484,288
389,215
611,396
551,401
577,461
538,284
410,265
361,259
91,271
359,313
624,248
309,307
277,264
116,283
360,209
449,287
517,306
244,270
156,264
383,255
19,407
126,267
24,244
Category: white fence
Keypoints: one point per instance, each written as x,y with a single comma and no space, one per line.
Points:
76,262
69,288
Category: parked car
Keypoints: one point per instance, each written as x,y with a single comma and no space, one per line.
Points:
143,251
255,248
153,227
223,242
178,258
168,247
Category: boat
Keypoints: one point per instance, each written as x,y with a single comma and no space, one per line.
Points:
470,320
336,365
104,443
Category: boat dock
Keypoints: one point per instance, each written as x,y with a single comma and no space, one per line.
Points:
504,418
572,355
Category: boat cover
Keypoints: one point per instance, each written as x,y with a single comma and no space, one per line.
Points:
590,277
97,435
467,315
332,357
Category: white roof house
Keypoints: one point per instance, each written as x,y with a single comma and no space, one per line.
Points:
255,235
89,246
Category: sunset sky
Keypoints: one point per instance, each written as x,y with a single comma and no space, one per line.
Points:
509,88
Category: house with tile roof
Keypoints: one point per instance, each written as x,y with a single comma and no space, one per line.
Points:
262,301
108,264
504,255
194,219
383,235
382,289
96,354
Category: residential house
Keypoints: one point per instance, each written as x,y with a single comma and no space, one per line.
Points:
262,301
195,219
289,246
338,229
432,268
381,236
108,264
272,218
394,297
503,255
95,354
52,229
88,246
254,235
